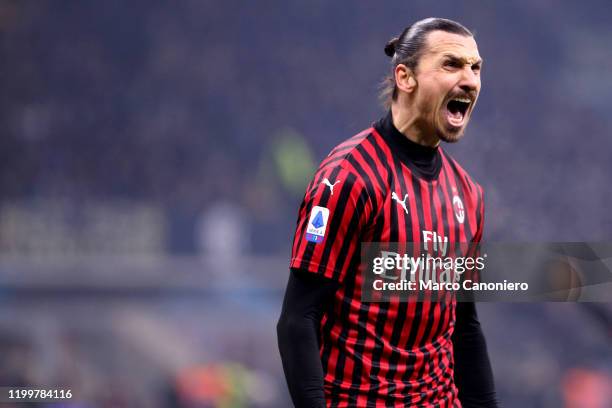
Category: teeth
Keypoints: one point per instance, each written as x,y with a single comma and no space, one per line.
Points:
464,100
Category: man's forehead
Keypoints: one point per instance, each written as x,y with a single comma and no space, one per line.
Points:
460,46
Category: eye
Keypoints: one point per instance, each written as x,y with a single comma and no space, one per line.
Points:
476,68
452,63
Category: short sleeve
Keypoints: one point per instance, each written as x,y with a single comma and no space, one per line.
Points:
330,223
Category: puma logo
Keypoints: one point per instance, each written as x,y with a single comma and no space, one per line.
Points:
330,185
400,202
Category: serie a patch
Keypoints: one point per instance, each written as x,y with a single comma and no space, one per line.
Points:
317,224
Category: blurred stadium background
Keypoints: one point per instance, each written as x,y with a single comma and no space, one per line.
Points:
153,156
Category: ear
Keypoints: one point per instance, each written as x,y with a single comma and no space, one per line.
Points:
404,78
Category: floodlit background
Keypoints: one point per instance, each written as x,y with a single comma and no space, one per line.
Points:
153,157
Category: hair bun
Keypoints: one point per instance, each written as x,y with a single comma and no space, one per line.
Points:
390,47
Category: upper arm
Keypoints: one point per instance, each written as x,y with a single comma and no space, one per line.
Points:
330,223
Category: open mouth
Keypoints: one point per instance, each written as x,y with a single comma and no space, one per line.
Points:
456,109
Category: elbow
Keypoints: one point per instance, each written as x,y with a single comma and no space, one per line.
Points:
285,327
284,332
292,330
281,327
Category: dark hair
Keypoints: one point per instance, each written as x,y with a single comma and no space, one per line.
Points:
408,48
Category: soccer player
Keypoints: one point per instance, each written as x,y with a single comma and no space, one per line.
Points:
390,183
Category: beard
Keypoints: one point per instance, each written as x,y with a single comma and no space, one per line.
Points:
450,136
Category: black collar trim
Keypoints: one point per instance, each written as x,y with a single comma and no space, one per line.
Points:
424,161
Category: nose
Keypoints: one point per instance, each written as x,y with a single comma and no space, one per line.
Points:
470,80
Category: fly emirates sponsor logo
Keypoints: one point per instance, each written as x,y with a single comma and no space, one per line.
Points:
433,265
439,266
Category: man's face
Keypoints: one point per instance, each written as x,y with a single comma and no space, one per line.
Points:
448,84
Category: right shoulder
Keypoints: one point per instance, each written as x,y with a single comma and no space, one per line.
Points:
359,158
355,155
342,155
357,166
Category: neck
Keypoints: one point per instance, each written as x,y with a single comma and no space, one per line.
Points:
424,161
407,122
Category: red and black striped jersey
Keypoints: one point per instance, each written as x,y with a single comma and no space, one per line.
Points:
369,189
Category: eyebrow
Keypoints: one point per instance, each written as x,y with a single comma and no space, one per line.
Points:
465,61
